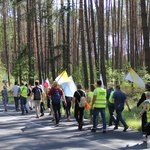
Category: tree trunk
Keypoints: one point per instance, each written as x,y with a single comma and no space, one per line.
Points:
29,46
50,39
64,36
68,39
89,44
84,60
15,42
128,33
41,41
37,44
107,28
6,51
132,33
145,34
94,40
100,18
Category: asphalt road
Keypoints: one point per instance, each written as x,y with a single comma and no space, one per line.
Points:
19,132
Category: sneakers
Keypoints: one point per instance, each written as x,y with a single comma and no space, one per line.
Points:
125,129
80,126
144,138
93,130
115,128
42,115
26,111
68,119
30,108
104,132
53,119
57,125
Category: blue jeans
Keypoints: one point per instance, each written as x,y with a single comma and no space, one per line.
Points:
96,114
23,102
120,118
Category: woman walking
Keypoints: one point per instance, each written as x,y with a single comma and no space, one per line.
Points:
4,94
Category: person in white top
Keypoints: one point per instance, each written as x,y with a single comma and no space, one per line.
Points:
14,90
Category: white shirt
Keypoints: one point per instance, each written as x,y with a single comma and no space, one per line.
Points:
15,89
147,101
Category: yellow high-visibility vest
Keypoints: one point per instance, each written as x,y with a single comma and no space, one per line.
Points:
100,101
110,97
24,91
148,113
91,96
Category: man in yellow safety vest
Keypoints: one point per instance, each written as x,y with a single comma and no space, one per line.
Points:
23,93
99,105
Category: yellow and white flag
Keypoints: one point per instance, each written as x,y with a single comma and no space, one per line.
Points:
63,77
133,77
69,87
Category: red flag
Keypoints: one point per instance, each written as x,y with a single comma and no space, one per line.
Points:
46,83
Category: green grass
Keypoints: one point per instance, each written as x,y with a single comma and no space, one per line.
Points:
131,117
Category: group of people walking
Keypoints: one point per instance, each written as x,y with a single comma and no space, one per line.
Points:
115,100
97,97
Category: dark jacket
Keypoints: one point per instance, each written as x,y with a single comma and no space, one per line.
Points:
142,99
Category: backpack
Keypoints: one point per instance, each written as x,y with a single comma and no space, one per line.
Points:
82,100
37,94
56,96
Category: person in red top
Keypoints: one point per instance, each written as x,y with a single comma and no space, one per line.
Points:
56,94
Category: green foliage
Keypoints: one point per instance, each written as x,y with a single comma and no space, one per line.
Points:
115,75
16,2
2,73
21,66
78,74
142,72
118,76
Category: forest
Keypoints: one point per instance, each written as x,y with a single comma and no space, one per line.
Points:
41,38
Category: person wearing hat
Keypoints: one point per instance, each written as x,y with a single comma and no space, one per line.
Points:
140,101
